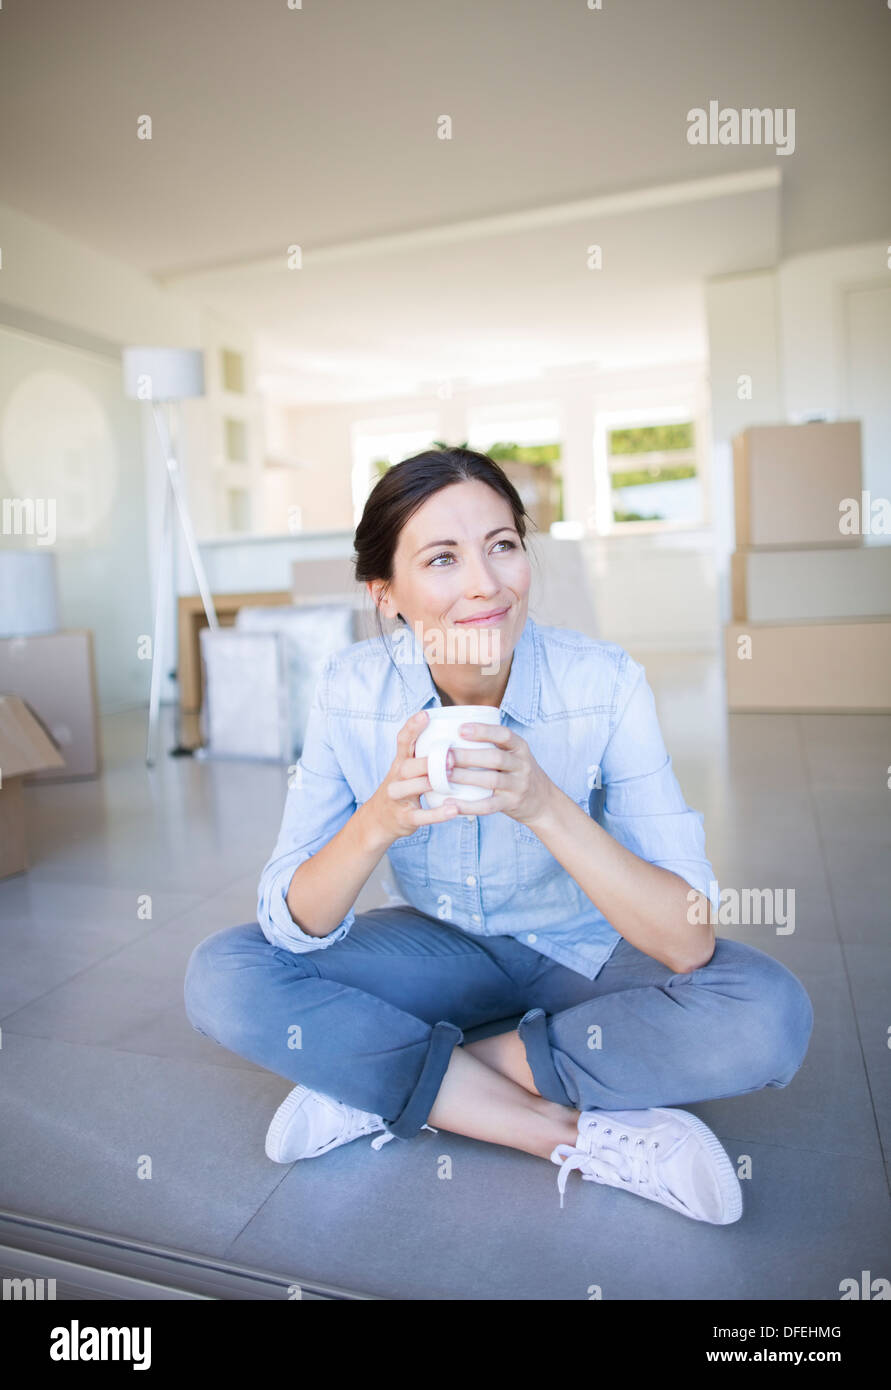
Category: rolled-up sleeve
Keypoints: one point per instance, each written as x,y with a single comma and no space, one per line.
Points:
319,803
640,802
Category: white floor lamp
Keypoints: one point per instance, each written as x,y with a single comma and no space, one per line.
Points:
168,375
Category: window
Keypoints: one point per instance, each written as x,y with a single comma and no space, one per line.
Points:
232,371
653,474
238,510
235,433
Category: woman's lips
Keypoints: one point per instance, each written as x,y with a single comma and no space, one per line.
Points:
485,621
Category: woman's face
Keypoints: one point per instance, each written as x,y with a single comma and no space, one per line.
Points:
459,557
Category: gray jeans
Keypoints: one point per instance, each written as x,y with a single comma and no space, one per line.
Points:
372,1020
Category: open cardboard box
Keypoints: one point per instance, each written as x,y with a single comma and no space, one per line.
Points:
25,746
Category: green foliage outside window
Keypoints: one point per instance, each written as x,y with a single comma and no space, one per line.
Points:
652,439
634,477
524,453
619,515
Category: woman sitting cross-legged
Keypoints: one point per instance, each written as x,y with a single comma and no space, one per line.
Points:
576,893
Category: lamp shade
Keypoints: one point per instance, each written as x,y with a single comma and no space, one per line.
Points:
29,595
163,374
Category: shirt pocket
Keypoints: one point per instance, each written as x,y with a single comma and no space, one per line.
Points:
408,856
541,878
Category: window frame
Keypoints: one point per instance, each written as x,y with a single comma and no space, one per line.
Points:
608,421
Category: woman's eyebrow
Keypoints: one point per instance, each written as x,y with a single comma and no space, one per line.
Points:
488,536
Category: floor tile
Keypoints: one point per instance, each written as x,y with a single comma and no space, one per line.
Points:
440,1218
52,931
79,1121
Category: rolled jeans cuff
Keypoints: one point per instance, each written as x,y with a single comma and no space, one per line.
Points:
444,1038
533,1029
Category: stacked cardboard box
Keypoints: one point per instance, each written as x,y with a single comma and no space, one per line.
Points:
55,674
811,625
25,748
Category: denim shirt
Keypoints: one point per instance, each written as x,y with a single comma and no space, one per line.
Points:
588,715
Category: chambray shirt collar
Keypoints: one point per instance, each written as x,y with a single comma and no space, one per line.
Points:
520,698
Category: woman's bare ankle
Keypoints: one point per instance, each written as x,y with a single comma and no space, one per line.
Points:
559,1125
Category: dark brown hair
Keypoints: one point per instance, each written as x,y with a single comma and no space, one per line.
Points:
404,488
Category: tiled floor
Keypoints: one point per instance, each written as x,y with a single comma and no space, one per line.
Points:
103,1079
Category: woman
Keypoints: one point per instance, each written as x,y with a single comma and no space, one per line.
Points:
577,895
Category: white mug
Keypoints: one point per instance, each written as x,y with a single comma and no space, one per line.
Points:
438,736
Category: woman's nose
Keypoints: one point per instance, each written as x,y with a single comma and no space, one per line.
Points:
481,581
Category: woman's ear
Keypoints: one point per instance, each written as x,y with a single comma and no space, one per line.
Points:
380,593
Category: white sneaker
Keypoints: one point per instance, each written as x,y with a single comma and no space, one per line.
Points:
668,1156
308,1124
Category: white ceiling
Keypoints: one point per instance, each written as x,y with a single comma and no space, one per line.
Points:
385,321
317,126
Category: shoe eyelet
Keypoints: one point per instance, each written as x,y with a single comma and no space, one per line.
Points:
638,1141
609,1131
655,1143
623,1139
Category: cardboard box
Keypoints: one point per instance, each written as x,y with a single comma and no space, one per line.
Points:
25,747
788,482
834,666
772,586
55,674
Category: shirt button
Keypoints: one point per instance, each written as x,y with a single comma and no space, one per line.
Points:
531,937
475,917
470,880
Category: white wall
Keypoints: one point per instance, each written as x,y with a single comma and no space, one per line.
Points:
866,392
742,314
811,292
68,435
67,309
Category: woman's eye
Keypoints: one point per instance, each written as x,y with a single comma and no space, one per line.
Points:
447,554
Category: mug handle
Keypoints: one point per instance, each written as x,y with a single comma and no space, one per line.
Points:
436,768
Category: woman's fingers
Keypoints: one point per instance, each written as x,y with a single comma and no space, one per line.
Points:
480,777
414,786
484,757
410,768
409,732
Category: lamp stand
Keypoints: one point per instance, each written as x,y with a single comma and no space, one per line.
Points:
174,496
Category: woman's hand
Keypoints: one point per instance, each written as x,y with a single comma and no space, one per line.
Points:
521,789
397,806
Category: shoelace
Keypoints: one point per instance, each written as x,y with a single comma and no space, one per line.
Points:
387,1136
637,1158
